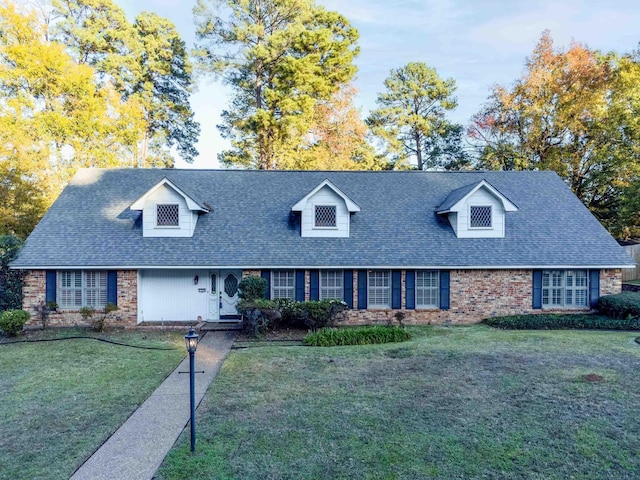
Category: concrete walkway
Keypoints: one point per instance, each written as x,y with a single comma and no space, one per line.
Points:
137,448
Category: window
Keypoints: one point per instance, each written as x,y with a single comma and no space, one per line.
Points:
325,216
565,289
379,293
480,217
77,289
331,284
283,284
427,289
167,215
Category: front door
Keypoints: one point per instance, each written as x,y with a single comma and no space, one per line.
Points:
228,283
214,297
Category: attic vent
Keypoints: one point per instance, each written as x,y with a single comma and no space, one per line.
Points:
325,216
167,215
480,217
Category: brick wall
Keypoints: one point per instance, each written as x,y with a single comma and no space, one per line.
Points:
610,282
474,295
34,292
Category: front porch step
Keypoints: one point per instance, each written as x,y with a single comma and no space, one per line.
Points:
223,325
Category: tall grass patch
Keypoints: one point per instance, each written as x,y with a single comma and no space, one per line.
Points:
330,337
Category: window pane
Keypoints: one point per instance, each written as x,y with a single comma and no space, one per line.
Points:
480,217
331,284
283,282
167,215
379,289
426,289
325,216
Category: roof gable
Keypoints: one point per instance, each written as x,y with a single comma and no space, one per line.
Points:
351,205
458,197
192,204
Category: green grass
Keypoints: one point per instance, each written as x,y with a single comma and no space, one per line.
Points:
59,401
632,282
457,402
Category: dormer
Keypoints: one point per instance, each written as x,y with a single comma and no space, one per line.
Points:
167,211
325,212
477,211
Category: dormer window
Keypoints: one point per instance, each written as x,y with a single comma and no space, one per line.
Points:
167,211
325,216
477,211
325,212
167,215
480,217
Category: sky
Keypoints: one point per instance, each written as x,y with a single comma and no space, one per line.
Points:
478,43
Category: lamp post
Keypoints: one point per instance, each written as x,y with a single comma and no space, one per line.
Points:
192,343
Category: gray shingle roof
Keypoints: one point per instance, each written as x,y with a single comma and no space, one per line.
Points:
91,224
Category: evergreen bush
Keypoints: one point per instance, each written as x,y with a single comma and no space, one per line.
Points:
13,321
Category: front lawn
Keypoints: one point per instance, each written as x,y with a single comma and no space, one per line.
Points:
59,401
453,402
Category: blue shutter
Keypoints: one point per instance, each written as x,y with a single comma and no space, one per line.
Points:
314,287
444,289
266,274
300,285
112,287
348,288
594,287
50,288
410,300
537,289
396,289
362,289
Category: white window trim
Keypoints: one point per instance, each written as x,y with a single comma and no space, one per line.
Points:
167,226
340,274
564,306
376,306
293,288
480,228
437,289
324,204
83,289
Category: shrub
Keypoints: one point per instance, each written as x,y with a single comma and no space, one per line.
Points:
44,309
555,321
329,337
252,288
13,321
261,315
11,281
100,322
622,305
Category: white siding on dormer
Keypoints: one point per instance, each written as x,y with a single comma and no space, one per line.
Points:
480,198
167,195
325,196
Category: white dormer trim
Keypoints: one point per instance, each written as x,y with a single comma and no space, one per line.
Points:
352,207
507,204
192,205
184,209
326,194
460,204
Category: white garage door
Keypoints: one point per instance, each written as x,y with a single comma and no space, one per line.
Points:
172,295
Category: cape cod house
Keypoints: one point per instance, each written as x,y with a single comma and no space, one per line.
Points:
172,245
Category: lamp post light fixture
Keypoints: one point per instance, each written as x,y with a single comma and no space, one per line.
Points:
191,339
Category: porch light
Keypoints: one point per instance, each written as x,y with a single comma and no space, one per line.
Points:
195,280
191,339
192,343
